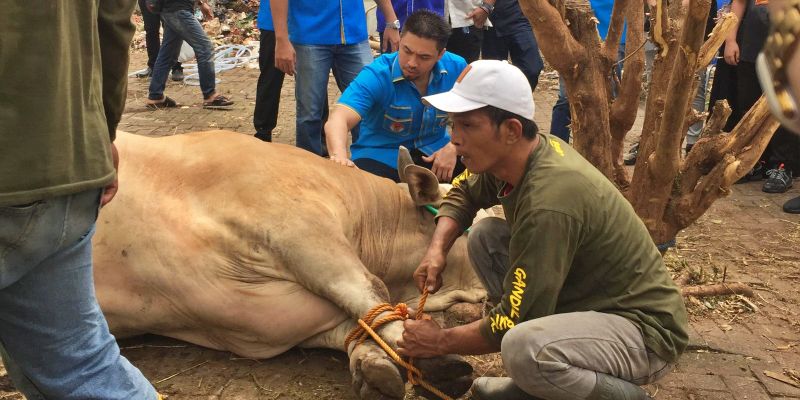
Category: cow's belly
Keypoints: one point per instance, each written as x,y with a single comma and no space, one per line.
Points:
252,320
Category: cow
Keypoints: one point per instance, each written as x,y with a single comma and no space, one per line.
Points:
224,241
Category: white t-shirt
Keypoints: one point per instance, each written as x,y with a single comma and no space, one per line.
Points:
457,10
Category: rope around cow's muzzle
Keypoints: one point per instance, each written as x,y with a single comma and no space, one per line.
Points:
368,325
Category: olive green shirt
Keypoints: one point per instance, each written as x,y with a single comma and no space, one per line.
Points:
576,245
63,80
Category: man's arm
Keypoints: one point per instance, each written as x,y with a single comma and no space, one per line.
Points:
285,57
429,272
425,339
731,46
342,120
480,14
391,37
115,31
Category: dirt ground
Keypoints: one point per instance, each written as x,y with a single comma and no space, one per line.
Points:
741,348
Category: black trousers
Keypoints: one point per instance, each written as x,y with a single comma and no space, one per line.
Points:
268,91
378,168
152,37
521,46
784,147
466,42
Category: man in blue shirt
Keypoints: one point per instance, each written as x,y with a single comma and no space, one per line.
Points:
386,100
270,80
313,37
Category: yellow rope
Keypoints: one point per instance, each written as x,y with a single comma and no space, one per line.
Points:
368,325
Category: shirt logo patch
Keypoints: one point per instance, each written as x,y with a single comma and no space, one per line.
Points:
397,127
557,147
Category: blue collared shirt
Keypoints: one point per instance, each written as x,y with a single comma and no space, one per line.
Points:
392,112
327,22
404,8
265,16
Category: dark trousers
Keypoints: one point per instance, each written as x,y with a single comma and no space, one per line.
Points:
378,168
784,147
152,37
724,87
268,91
521,46
466,42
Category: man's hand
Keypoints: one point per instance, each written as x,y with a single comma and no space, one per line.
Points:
342,161
111,189
391,40
421,339
478,17
208,13
285,57
731,52
444,162
429,272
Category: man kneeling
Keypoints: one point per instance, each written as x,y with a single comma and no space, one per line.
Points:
585,306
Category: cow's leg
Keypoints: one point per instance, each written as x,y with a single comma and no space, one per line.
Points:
369,364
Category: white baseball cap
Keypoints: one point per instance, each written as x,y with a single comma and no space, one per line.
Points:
488,83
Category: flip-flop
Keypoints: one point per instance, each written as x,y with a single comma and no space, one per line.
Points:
166,103
219,103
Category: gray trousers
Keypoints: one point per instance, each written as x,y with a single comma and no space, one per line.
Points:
559,356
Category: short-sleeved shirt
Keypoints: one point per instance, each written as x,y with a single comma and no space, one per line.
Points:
265,17
576,245
327,22
404,8
391,109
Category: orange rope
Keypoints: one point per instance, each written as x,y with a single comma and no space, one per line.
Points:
368,326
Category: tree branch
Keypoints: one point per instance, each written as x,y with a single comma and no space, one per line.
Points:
556,43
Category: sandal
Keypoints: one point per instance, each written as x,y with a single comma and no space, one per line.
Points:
219,103
166,103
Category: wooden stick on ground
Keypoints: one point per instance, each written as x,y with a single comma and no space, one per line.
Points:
717,290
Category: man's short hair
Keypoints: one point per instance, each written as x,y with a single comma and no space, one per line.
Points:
498,115
428,25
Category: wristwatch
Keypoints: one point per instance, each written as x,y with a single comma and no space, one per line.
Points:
394,25
488,7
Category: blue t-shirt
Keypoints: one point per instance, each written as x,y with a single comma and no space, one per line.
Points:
392,112
265,16
327,22
404,8
602,11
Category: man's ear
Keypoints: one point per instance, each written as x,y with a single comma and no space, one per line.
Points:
511,131
422,185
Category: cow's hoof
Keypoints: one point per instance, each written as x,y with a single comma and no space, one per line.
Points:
375,377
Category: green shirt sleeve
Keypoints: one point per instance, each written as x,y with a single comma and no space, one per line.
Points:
115,31
541,252
464,200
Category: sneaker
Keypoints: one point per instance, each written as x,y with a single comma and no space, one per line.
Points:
145,73
792,206
756,174
630,158
779,180
177,74
486,388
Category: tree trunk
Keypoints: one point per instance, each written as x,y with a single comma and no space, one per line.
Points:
667,191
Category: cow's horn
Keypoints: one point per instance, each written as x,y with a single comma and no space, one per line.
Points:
403,160
422,184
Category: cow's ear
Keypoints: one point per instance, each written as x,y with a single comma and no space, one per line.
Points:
423,185
403,160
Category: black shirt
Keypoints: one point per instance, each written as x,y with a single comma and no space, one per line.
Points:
754,30
178,5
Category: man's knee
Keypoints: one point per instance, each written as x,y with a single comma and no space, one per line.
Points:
529,362
485,233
